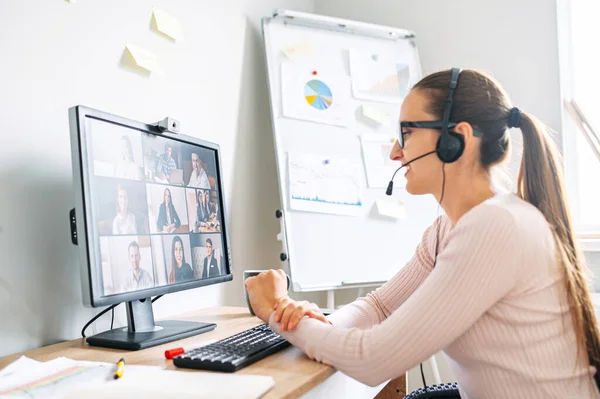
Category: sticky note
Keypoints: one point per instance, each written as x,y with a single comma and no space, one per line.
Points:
144,59
390,208
376,114
297,50
167,24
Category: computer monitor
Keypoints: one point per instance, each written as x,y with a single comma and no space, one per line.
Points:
149,219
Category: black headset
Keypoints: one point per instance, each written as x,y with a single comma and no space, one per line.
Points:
450,145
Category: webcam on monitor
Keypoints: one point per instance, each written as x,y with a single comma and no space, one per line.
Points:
168,125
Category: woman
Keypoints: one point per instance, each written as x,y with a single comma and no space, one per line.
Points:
180,270
167,220
497,282
207,202
124,221
127,168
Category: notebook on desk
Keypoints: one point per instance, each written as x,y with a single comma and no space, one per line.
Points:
179,384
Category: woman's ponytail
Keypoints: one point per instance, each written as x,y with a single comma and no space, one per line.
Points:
541,183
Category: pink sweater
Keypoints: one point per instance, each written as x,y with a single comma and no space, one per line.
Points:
494,303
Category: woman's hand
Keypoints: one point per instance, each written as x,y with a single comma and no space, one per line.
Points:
289,312
265,290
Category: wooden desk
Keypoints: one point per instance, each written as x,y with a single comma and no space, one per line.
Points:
294,373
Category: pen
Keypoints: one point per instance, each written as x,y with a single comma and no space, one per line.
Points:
171,353
120,368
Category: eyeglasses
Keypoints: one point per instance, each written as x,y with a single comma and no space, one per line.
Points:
428,125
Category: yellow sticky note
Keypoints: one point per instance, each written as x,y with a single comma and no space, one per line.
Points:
390,208
297,50
144,59
167,24
376,114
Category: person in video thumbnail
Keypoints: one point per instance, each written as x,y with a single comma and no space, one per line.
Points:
181,271
213,218
198,178
127,168
124,221
202,213
166,164
137,278
168,220
210,267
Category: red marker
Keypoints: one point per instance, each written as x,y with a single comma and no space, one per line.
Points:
314,72
171,353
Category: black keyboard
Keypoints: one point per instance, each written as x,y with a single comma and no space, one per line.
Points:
235,352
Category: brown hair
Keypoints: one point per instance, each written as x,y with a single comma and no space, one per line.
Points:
480,101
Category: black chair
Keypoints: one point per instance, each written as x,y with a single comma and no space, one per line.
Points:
441,391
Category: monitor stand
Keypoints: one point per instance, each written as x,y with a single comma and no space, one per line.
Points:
141,331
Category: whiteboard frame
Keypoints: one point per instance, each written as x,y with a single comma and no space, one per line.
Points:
332,24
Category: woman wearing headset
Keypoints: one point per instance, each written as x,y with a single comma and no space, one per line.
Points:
497,282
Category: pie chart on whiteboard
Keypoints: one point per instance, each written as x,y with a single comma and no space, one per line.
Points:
318,95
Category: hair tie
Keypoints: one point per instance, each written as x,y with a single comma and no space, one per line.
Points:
514,119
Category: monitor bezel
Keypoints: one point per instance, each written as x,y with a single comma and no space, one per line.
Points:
87,230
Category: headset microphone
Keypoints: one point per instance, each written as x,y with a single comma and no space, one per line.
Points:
390,186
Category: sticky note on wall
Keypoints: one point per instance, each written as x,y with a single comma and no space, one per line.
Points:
144,59
167,24
297,50
390,208
376,114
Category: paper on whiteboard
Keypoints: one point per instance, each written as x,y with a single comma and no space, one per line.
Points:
315,95
390,208
376,114
377,78
325,185
379,168
297,50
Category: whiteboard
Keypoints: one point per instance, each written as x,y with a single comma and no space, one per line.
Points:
328,250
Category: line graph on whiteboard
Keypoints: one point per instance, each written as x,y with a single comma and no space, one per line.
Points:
378,79
325,185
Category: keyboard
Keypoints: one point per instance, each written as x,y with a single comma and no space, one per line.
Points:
234,352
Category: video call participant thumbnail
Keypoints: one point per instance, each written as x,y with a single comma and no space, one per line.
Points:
137,278
180,270
198,178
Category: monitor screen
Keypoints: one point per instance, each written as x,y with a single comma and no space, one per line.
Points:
154,209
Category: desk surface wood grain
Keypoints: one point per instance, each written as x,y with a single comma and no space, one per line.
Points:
293,372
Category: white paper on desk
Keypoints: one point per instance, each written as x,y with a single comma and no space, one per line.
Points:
53,379
324,184
167,24
180,385
21,364
144,59
390,208
378,165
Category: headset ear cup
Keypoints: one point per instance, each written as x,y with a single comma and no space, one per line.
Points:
450,147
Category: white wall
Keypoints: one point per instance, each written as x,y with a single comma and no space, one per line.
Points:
515,41
56,54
